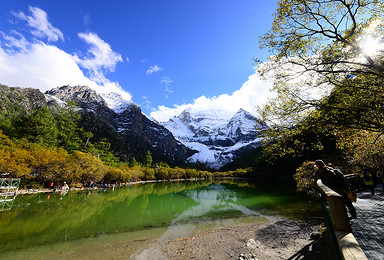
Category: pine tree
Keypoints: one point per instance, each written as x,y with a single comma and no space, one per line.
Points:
39,127
147,160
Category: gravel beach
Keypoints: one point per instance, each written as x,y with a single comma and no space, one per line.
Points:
283,239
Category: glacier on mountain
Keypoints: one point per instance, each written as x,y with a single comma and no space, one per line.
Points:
217,138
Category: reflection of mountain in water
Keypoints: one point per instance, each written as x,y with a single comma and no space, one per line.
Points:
214,201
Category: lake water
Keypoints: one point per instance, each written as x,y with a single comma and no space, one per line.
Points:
87,224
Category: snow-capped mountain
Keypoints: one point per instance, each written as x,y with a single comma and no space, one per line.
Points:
138,133
218,140
212,136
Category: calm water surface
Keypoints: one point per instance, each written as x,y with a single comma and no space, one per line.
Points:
89,223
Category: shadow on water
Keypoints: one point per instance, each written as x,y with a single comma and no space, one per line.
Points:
169,208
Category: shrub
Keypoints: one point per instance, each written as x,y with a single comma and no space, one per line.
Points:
304,178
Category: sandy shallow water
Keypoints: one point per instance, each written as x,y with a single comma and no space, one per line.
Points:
283,239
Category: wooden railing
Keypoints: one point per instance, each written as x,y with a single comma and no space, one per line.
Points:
339,226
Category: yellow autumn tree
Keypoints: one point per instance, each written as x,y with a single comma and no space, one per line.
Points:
14,162
84,168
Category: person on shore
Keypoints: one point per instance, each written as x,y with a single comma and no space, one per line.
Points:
335,180
368,180
65,186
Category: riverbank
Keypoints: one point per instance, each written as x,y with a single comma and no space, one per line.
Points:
35,191
283,239
97,187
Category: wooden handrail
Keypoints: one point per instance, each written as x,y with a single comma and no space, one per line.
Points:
336,206
349,248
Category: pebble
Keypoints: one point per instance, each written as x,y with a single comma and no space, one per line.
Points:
252,243
247,257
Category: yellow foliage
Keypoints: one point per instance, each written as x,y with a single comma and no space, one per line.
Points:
137,173
86,167
304,177
14,162
162,173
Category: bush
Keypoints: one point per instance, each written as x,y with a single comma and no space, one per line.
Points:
149,173
162,173
304,178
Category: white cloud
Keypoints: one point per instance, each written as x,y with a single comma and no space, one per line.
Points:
15,41
43,66
100,57
168,90
153,69
166,80
40,25
253,93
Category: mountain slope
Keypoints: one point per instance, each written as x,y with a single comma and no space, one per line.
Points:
128,121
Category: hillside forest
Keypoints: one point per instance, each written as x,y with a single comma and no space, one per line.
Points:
41,145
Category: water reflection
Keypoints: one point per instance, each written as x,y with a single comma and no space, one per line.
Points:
215,200
37,220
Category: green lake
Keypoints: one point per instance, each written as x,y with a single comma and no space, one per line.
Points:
85,224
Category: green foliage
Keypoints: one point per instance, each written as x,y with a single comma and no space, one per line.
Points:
161,164
319,46
102,151
356,103
304,178
133,162
363,149
325,79
68,133
39,127
147,159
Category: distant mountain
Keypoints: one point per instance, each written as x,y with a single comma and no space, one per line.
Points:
206,137
218,140
137,131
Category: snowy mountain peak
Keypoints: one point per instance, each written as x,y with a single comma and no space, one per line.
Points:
84,95
185,116
116,102
241,123
217,136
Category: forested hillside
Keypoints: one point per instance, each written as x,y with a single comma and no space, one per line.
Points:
44,142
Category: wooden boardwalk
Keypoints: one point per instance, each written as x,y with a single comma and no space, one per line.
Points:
368,227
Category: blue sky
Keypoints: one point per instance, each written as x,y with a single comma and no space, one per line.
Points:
165,56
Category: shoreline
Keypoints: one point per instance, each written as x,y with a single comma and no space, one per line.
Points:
282,239
109,186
